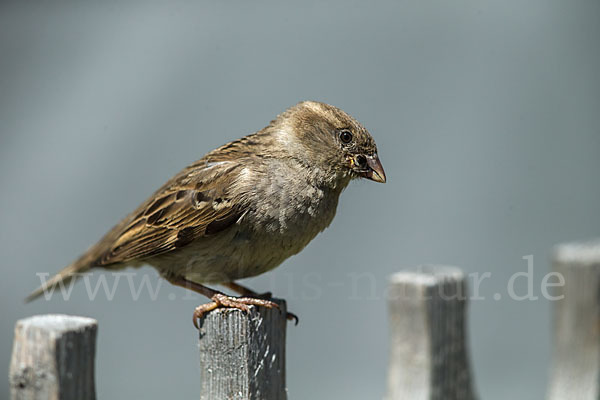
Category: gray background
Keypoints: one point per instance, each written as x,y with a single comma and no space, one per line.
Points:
487,116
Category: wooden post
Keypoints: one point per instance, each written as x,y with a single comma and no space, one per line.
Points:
242,355
428,355
575,372
53,358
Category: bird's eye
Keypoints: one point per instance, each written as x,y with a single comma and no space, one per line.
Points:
361,161
346,136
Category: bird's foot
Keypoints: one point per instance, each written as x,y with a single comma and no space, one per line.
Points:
268,296
247,292
241,303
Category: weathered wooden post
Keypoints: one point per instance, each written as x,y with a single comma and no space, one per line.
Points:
428,355
242,355
53,358
575,372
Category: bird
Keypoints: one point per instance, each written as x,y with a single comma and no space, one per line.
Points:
242,209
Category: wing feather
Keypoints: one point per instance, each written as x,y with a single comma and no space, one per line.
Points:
196,203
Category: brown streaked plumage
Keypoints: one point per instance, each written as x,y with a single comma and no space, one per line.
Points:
243,208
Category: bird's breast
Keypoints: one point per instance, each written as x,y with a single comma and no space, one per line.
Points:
293,209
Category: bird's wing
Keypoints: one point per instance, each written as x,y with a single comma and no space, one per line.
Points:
197,202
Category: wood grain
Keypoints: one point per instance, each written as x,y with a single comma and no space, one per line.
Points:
428,354
53,358
242,355
575,372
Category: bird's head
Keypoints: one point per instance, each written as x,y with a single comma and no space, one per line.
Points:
328,139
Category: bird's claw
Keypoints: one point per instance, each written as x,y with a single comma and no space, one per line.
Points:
265,295
292,317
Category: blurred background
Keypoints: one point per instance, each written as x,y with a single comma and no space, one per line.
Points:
486,114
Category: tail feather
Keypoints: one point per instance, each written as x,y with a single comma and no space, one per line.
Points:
62,278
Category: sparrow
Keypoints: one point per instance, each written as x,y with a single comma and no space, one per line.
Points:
242,209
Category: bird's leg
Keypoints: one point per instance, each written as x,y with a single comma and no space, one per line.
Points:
218,299
245,291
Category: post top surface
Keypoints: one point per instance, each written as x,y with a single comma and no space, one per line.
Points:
57,322
584,252
428,275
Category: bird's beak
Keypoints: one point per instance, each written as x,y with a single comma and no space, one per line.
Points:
375,172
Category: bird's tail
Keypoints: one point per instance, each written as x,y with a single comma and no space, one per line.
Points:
62,279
